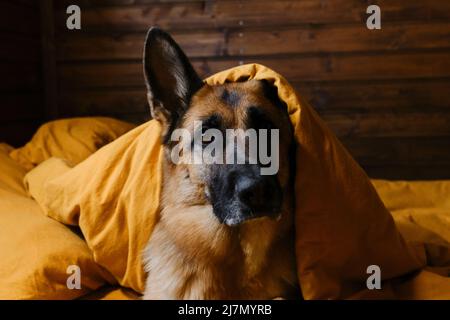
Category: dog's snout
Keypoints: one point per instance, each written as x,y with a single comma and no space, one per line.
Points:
251,191
241,193
261,194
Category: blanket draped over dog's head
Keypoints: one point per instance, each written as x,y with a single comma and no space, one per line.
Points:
342,227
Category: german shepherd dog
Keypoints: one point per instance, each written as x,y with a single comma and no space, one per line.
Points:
225,231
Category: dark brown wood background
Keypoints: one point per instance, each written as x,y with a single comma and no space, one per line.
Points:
385,93
21,99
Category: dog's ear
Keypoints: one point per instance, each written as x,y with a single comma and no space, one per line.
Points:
170,78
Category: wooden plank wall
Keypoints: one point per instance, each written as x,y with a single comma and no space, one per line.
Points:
385,93
21,105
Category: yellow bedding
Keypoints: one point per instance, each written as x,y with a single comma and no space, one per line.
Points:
72,139
35,251
342,226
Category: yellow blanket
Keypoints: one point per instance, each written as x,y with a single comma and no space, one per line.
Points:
342,226
36,251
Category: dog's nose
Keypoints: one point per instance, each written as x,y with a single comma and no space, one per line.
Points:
241,193
261,195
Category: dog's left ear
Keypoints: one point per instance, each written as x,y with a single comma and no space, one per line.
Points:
170,78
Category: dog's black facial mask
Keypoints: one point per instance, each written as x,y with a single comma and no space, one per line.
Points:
237,192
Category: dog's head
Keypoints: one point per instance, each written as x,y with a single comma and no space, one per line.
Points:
245,124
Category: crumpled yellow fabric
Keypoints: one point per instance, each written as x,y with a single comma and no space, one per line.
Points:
73,139
113,196
35,250
421,210
342,226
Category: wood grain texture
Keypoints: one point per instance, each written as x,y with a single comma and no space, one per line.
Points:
327,67
48,46
19,48
385,93
176,15
375,96
326,97
17,18
291,40
20,69
16,107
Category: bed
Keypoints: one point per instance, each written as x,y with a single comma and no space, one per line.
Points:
70,198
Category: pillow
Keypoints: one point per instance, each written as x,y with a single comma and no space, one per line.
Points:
36,250
11,174
421,212
398,195
342,227
73,139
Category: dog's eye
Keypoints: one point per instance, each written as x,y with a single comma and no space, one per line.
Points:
207,140
212,122
256,119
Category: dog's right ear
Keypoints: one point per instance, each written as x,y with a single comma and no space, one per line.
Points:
170,78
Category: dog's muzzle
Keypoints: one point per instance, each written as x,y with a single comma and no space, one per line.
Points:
241,193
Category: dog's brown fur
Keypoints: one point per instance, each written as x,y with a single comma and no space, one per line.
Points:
191,255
